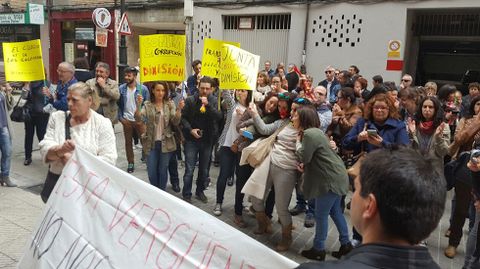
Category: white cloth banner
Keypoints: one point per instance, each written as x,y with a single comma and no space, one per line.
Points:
101,217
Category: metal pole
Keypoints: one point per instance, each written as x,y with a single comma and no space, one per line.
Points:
122,49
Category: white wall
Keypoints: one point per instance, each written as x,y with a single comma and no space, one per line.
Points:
380,23
213,26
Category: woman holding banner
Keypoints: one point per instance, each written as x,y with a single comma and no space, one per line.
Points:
80,126
159,115
228,155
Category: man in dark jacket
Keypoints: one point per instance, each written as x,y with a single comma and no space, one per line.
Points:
331,84
398,201
199,120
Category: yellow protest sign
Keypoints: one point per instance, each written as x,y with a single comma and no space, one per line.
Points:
23,61
239,68
211,59
162,57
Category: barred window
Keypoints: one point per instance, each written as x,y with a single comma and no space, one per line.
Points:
267,22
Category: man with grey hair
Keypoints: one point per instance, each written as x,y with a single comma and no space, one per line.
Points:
66,72
407,81
106,93
331,84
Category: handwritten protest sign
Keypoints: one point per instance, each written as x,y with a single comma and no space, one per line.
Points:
101,217
212,54
23,61
162,57
239,68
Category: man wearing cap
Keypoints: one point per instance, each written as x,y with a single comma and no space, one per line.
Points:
127,106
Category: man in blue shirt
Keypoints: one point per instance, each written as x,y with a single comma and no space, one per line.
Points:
192,81
66,78
127,106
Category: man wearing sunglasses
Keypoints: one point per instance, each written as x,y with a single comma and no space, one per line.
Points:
331,84
407,81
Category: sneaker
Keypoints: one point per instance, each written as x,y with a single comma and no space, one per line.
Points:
130,168
201,196
423,243
297,210
208,182
447,233
181,164
187,199
230,181
344,250
176,187
138,146
217,211
5,181
309,221
356,243
27,161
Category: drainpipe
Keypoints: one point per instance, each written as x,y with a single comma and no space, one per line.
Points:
303,67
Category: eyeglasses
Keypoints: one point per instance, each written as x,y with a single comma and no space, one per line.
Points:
328,72
283,96
406,80
380,108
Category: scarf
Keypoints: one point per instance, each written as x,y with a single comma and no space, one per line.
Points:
426,127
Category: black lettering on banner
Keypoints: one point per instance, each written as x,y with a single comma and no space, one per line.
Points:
48,223
74,259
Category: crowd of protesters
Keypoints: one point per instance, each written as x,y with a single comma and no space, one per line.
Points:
317,134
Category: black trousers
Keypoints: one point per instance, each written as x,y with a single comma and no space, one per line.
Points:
38,123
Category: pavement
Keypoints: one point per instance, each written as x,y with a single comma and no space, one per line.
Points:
21,207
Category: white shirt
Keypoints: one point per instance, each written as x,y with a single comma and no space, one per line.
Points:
130,105
283,151
95,136
232,133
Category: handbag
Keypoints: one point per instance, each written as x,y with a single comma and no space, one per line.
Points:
21,111
457,169
263,148
51,179
354,170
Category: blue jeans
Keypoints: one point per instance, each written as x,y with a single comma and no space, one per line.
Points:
329,204
201,151
157,166
173,169
6,149
228,161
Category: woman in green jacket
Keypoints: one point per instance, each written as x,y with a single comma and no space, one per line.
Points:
325,179
159,115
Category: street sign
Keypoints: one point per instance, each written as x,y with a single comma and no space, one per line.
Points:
124,27
35,13
101,17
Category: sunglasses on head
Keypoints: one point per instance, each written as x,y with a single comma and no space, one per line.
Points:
283,96
300,100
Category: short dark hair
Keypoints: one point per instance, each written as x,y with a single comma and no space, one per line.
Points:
195,63
308,117
390,86
378,78
409,93
471,109
81,62
207,79
445,91
355,68
348,93
474,85
409,192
